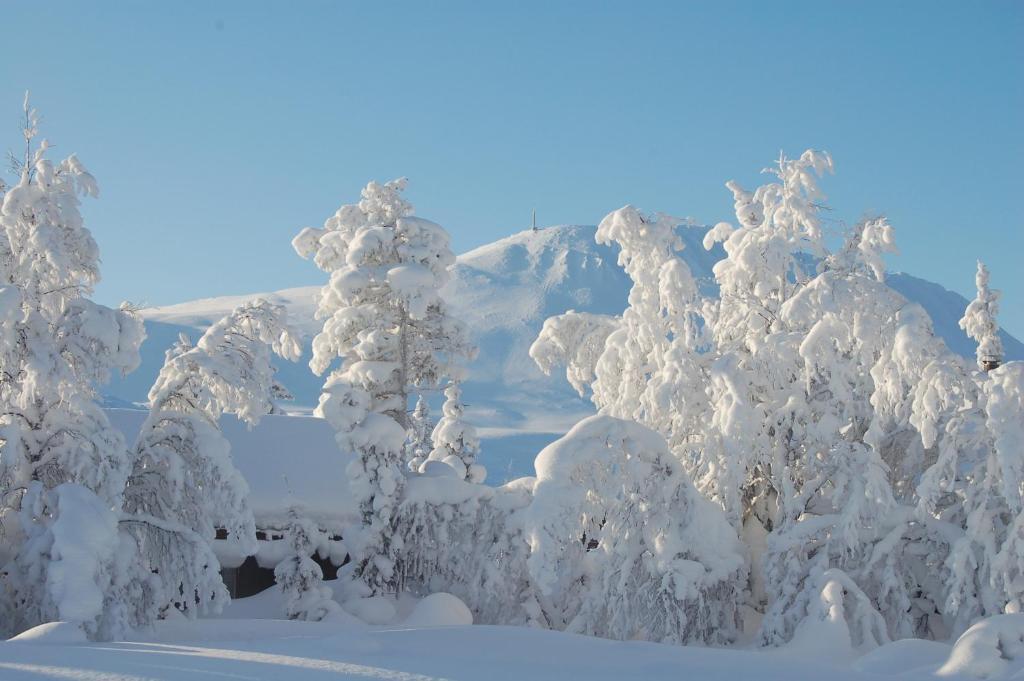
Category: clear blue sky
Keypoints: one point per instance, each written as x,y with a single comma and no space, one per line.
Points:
218,129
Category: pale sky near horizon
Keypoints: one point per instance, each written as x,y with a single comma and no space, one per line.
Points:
217,130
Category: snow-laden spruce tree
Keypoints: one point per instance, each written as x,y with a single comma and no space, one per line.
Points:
184,486
979,321
384,319
455,441
419,444
306,597
62,466
623,546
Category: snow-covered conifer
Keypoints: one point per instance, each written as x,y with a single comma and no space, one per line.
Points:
61,462
384,319
838,616
184,486
455,441
979,321
306,597
419,444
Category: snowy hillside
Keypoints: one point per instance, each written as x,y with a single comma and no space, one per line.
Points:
504,291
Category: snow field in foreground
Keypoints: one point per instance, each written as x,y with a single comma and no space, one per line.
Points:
425,645
282,649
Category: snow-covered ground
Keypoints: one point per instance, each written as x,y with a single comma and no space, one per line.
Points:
244,645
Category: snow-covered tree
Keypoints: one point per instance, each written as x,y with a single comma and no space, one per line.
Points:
623,546
838,616
419,444
975,488
62,465
808,401
384,319
1004,471
575,340
468,539
184,486
306,597
979,321
455,441
650,364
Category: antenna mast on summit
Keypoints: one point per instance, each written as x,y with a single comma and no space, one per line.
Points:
535,219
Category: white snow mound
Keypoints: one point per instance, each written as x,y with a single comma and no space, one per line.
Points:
991,649
52,633
439,610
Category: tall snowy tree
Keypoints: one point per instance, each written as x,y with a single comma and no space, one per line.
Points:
650,364
184,486
62,465
384,319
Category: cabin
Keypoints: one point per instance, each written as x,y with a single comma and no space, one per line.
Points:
289,462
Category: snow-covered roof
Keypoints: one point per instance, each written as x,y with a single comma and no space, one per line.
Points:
287,461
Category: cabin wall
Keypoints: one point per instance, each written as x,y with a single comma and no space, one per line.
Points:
249,578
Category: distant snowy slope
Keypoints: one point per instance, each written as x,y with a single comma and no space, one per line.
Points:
504,291
199,314
946,307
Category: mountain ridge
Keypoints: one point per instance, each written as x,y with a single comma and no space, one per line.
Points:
504,291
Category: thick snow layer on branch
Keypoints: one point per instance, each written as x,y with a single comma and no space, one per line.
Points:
84,534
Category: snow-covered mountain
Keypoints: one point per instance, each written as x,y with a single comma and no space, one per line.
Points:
505,291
